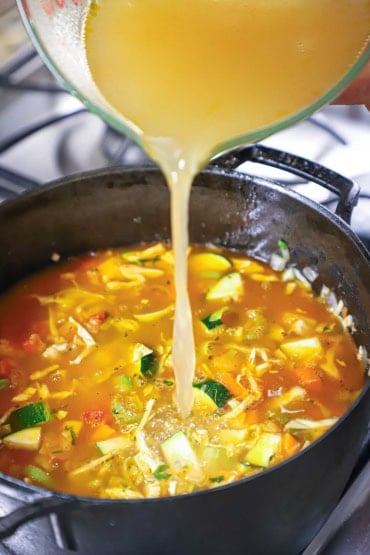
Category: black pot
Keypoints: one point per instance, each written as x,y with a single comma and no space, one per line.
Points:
280,510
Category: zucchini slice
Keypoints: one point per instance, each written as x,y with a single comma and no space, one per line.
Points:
216,459
215,390
29,416
113,444
203,404
180,456
302,348
215,319
28,439
146,359
38,475
229,286
264,450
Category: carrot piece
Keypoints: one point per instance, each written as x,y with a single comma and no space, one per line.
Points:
309,379
289,445
103,432
251,416
238,390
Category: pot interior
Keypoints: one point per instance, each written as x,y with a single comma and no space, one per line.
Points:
118,208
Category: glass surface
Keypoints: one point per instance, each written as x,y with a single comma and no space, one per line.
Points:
56,28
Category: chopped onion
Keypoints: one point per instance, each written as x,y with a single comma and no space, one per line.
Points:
277,262
310,273
300,277
306,424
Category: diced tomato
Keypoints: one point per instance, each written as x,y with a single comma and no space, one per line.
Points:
6,366
309,378
98,318
33,344
94,417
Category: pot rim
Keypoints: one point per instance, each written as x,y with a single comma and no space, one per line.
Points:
43,493
58,183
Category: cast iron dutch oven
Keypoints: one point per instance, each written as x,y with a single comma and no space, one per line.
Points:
278,511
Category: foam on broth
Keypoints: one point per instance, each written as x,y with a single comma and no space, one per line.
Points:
194,74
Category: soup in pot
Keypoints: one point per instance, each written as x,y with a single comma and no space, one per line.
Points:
87,380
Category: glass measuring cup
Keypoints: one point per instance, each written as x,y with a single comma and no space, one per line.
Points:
57,30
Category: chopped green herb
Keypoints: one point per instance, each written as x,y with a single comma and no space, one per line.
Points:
217,479
284,249
160,472
168,383
124,383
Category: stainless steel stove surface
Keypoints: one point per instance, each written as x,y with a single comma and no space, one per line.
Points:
46,134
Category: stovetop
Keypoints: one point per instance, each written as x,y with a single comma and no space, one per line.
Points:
46,134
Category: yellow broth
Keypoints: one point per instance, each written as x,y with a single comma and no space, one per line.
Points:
88,344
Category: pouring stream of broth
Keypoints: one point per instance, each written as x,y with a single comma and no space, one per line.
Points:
194,74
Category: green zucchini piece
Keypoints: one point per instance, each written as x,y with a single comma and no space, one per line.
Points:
216,459
215,319
180,455
28,439
228,287
113,444
264,450
149,366
302,348
37,475
145,356
203,404
215,390
29,416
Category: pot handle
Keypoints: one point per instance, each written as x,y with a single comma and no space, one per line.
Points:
347,190
34,507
